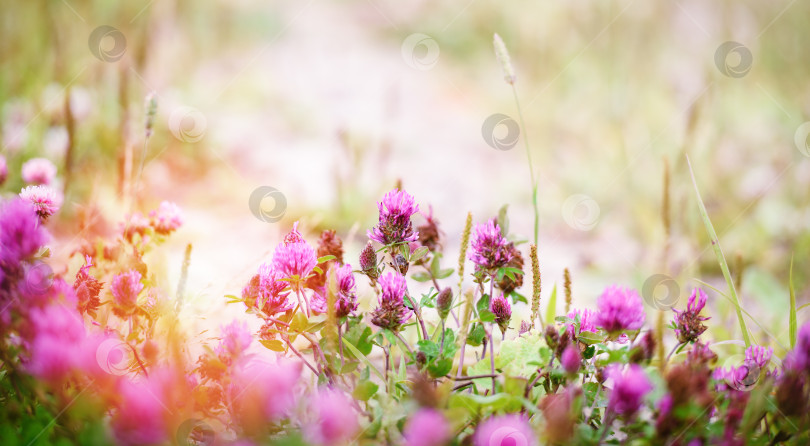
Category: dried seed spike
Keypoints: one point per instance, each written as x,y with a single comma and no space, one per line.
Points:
567,284
503,57
536,285
462,256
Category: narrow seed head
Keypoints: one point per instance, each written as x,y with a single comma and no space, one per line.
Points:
151,111
465,241
567,277
536,288
503,58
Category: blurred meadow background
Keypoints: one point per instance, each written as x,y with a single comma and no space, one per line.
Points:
334,102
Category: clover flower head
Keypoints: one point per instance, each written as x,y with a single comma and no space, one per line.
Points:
620,309
46,201
394,224
345,293
490,250
689,323
167,218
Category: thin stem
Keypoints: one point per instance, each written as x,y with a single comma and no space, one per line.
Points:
461,386
531,165
469,377
340,344
441,347
673,351
492,357
399,336
303,359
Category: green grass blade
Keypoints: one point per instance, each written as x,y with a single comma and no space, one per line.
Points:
792,316
551,310
363,358
721,259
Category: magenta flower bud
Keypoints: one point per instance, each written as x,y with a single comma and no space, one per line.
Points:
368,262
586,320
571,359
267,292
427,427
345,297
620,309
444,301
502,310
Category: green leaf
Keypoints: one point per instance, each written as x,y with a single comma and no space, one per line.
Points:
792,314
515,355
551,309
590,338
359,335
349,367
317,270
440,367
428,347
326,258
299,322
483,303
419,253
503,219
365,390
273,344
362,358
476,336
486,316
445,273
420,276
721,259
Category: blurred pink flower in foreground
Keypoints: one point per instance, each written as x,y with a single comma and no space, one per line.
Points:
236,338
336,421
427,427
46,201
38,171
143,409
58,333
629,389
503,430
263,392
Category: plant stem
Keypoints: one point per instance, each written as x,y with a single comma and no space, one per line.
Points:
399,336
492,356
303,359
531,165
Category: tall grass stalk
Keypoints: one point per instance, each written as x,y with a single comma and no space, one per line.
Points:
721,259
